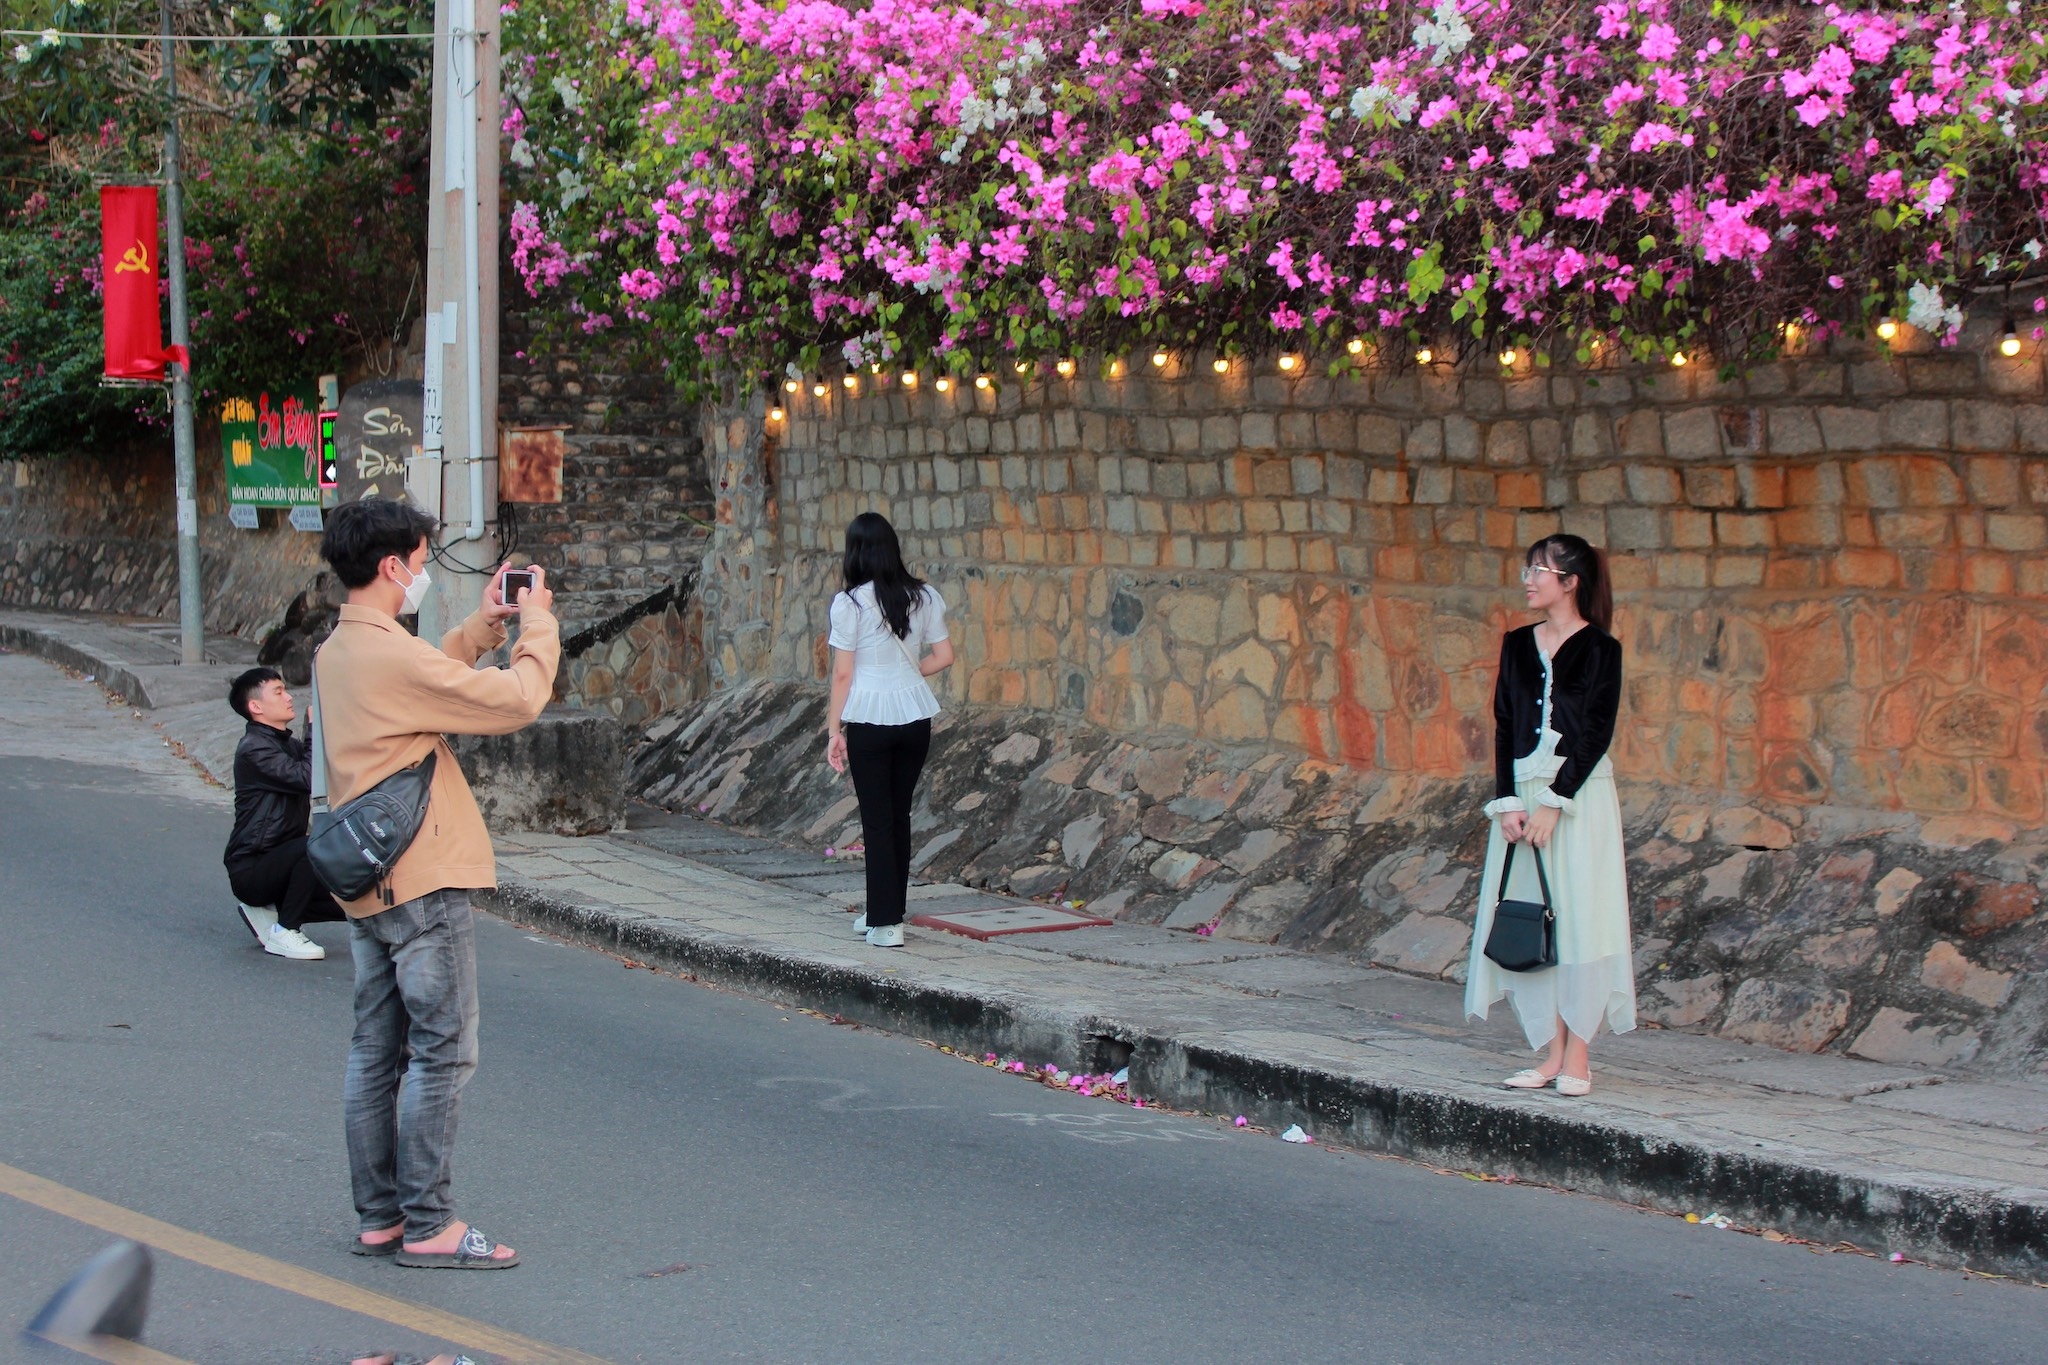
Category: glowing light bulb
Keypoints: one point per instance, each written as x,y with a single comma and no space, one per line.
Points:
2009,344
1116,368
910,379
981,381
1065,368
1159,360
789,386
875,368
1290,362
1220,365
1678,359
1507,356
1887,329
1356,345
1423,355
818,389
1023,367
850,381
775,414
943,384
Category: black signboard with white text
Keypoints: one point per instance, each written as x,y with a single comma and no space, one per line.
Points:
376,431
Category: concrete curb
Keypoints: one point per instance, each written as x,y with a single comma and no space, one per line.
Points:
151,686
49,643
1370,1106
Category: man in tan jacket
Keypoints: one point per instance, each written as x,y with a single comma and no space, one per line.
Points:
386,699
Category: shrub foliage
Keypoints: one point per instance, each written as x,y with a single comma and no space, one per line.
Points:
746,187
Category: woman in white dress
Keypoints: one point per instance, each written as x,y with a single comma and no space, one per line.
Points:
879,721
1554,707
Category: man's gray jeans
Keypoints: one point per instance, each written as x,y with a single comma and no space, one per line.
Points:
415,993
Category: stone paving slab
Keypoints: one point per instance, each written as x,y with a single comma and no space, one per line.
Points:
133,657
695,839
2023,1109
1945,1169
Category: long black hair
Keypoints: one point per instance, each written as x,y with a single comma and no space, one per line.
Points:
874,555
1573,555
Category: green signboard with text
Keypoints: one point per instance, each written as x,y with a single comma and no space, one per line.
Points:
272,446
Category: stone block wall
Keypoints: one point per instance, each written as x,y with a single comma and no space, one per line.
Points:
623,546
1227,645
633,659
98,532
1830,573
635,502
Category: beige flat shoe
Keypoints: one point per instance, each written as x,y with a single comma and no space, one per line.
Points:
1530,1079
1574,1085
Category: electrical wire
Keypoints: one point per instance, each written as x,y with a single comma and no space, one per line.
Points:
508,545
47,33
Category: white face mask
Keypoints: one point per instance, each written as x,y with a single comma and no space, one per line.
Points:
415,593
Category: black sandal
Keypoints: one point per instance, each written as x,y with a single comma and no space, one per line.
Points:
474,1253
357,1245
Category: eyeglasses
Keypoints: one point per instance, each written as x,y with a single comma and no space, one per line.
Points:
1529,572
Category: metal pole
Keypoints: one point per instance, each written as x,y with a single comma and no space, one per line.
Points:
191,618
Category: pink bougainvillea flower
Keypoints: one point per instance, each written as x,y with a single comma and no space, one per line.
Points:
976,180
1660,43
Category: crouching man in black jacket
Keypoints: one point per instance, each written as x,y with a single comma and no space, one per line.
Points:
266,857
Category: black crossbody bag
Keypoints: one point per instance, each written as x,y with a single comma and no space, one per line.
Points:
353,848
1524,934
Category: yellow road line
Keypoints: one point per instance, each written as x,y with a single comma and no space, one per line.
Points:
116,1351
217,1255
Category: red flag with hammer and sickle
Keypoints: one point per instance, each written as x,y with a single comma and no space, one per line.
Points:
128,274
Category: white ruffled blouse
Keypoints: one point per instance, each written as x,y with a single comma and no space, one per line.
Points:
1544,764
887,688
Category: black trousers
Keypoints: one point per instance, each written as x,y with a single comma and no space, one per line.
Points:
886,761
282,877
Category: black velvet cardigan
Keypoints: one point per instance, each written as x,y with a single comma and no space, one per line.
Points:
1585,695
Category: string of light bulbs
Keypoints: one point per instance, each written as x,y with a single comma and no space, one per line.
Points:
1292,362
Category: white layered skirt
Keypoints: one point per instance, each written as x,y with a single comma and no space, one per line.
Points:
1594,979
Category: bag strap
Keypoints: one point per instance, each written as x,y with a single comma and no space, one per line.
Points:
902,641
1507,867
319,743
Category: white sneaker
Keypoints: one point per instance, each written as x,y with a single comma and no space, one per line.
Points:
283,942
885,936
860,924
261,919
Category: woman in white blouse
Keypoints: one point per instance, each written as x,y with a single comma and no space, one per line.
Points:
879,721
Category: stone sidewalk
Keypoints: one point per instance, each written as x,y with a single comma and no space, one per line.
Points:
136,659
1944,1168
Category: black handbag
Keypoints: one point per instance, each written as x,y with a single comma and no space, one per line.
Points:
354,847
1524,934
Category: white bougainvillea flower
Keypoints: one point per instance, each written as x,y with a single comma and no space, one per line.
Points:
1927,310
1445,31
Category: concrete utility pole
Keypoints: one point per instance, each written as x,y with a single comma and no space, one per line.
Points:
460,421
191,612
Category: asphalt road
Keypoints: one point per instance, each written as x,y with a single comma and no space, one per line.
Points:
695,1175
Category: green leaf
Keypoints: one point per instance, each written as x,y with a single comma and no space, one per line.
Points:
1426,274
